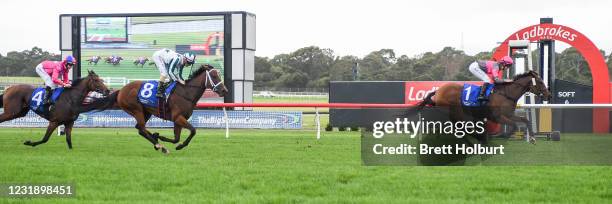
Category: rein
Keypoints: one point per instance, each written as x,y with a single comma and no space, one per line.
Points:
206,82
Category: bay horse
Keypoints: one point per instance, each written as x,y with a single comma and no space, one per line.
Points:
141,61
94,60
114,60
502,101
16,100
180,105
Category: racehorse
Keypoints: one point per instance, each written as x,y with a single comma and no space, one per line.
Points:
114,60
502,101
94,60
141,61
180,104
16,100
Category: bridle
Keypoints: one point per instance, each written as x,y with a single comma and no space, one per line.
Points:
214,86
531,89
208,77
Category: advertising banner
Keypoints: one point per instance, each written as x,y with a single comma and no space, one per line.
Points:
199,119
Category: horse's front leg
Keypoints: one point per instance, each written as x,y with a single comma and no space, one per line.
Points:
50,129
68,130
182,122
531,134
513,119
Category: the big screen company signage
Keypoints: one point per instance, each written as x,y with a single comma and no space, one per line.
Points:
199,119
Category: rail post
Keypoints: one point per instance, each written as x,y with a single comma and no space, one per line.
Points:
318,121
226,123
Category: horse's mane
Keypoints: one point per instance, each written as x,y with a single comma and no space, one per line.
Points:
198,72
521,75
78,81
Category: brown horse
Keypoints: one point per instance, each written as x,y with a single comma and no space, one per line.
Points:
141,61
181,103
16,100
502,101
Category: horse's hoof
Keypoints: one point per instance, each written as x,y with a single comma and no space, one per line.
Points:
180,146
28,143
532,140
165,151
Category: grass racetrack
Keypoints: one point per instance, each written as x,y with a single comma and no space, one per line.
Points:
273,166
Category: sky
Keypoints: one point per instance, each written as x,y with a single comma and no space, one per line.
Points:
355,27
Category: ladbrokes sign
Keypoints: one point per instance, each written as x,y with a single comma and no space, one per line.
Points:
546,31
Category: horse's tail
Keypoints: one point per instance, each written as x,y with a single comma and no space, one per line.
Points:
426,101
419,106
101,104
1,100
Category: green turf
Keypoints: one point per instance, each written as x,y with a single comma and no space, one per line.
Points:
271,166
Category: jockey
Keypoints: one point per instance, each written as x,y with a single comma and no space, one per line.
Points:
490,72
51,71
170,64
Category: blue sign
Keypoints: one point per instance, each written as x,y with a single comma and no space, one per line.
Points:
199,119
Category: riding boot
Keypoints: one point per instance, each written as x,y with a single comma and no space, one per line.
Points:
48,92
483,91
160,89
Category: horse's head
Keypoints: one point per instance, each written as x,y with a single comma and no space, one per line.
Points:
212,79
537,86
94,83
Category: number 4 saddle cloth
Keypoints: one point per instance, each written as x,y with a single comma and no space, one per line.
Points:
38,97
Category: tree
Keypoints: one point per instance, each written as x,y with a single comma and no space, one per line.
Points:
571,66
342,68
375,65
23,63
265,73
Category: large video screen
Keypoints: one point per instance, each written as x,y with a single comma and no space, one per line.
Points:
122,62
106,29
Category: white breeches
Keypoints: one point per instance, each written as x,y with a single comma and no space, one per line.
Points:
475,69
45,77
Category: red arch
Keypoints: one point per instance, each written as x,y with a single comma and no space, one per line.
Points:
596,61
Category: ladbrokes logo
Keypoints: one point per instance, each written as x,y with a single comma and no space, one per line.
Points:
546,31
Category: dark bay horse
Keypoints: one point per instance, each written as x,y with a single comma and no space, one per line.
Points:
16,100
114,60
94,60
141,61
181,103
502,101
